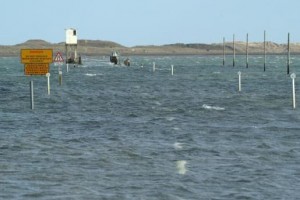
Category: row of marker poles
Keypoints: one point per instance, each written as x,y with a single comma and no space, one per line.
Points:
48,87
247,52
31,90
293,77
59,78
48,84
32,93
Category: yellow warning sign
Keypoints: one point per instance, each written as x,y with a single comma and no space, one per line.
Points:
36,56
36,69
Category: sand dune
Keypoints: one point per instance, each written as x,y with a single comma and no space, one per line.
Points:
98,47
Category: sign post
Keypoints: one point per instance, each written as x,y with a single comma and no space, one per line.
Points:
36,62
58,60
36,68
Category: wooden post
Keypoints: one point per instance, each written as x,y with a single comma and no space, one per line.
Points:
66,49
223,51
233,63
60,77
31,95
288,54
264,51
247,51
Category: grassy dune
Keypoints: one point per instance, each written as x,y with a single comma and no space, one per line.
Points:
98,47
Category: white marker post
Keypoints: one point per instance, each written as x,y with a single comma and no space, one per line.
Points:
293,76
240,85
172,69
48,82
153,66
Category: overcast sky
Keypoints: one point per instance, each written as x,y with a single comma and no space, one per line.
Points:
150,22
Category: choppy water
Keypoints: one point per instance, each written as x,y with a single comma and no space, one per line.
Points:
112,132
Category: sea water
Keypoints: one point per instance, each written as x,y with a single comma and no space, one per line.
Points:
116,132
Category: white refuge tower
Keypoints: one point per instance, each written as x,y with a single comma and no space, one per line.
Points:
71,46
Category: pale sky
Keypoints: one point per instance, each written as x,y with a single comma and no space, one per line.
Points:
150,22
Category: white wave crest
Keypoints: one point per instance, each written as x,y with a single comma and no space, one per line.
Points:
170,118
90,74
178,145
212,107
176,128
180,165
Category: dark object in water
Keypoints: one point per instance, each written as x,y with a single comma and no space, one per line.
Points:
114,58
127,62
74,61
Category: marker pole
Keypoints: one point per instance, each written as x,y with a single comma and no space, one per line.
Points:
293,77
288,55
233,63
247,51
240,85
264,51
48,82
60,77
223,51
172,69
31,95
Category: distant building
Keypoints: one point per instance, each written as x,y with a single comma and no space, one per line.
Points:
71,46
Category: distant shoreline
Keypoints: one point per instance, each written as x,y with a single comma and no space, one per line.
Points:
104,48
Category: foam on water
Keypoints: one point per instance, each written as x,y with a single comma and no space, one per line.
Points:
181,167
205,106
170,118
91,74
178,145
